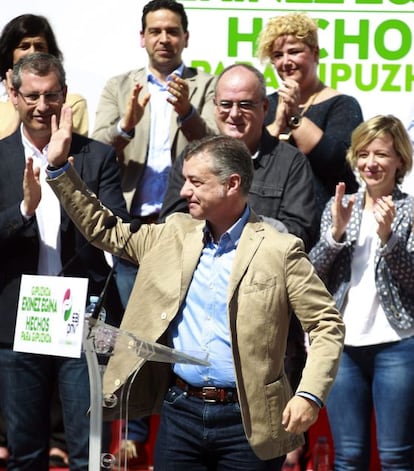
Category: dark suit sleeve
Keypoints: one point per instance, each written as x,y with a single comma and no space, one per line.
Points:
12,164
173,203
110,192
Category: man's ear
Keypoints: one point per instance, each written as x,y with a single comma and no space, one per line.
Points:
266,105
13,94
233,183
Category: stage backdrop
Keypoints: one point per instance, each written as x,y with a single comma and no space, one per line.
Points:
367,46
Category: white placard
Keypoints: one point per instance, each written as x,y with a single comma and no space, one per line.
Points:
50,315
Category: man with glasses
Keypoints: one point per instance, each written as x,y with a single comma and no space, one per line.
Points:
282,188
37,237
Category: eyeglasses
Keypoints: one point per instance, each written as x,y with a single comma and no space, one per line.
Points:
50,98
225,106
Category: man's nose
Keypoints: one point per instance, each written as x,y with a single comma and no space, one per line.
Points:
235,109
185,190
42,104
163,36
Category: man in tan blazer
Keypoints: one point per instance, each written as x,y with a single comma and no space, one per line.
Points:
149,115
164,95
219,281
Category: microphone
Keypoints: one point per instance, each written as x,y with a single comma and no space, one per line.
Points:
109,223
134,226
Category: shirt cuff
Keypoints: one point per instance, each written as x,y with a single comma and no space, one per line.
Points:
52,172
187,116
310,396
331,241
25,216
126,135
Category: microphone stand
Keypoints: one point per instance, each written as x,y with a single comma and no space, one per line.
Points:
95,378
109,223
95,387
133,227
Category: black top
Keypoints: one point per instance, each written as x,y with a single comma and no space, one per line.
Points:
337,117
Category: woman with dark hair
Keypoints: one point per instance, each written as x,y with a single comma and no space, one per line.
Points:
23,35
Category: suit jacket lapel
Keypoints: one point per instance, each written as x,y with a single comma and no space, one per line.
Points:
192,248
249,243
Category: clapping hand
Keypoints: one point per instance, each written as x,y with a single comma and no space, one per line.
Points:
289,93
180,100
384,213
134,109
341,214
32,192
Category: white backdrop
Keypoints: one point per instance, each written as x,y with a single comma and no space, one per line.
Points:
368,45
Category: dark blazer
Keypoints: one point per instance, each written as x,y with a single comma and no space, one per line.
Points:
19,239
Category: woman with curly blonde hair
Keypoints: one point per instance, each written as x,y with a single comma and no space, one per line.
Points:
312,116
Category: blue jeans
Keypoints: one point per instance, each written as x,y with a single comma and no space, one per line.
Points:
377,378
200,436
27,382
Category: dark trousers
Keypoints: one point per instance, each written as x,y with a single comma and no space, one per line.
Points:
201,436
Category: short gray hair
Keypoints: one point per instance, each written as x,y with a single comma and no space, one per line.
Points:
39,63
229,156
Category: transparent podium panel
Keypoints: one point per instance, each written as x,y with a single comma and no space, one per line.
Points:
99,343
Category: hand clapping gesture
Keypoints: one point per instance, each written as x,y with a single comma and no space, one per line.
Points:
134,109
384,213
180,99
61,138
341,214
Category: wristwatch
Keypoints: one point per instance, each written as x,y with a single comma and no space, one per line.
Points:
295,121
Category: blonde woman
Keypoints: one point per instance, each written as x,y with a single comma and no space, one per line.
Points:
366,258
309,114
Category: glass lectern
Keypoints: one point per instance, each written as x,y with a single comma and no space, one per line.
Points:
99,341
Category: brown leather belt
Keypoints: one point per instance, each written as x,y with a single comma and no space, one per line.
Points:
209,393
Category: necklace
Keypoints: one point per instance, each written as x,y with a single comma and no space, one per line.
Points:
310,101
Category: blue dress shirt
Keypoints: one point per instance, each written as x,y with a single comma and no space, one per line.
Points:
202,322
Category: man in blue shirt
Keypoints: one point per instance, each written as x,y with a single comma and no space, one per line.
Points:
149,114
238,412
